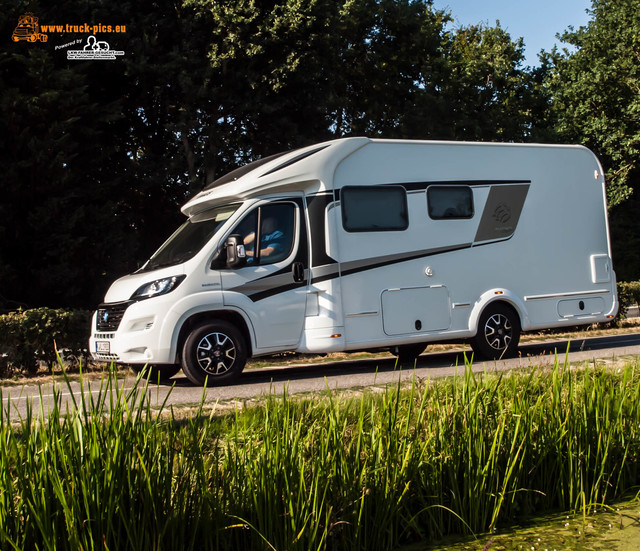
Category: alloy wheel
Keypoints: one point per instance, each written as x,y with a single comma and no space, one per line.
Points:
216,353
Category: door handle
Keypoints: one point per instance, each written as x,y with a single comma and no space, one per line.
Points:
297,269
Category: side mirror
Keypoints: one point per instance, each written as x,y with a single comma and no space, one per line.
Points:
236,254
230,255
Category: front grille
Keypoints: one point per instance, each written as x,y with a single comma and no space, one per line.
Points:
105,357
110,315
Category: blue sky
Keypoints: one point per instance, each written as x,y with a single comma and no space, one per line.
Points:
536,21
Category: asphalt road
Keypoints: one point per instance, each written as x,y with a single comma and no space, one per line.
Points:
314,378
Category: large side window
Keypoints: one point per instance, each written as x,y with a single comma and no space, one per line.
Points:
272,226
450,202
374,208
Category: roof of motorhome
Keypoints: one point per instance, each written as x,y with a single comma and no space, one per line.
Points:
285,171
276,173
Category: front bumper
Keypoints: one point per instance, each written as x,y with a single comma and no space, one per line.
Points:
128,332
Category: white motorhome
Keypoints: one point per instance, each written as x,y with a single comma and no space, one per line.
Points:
360,243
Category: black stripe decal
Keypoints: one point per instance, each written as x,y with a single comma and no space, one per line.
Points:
420,186
269,286
354,267
325,273
273,284
272,292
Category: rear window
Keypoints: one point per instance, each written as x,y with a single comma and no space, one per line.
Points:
374,208
450,202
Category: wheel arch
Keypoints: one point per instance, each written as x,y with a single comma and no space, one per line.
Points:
231,316
493,298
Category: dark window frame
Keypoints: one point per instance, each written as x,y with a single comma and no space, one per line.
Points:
469,189
346,190
259,260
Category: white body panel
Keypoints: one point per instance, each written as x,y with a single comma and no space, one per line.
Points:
536,239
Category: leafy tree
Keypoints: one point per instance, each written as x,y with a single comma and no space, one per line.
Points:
596,99
625,238
405,75
273,65
389,74
98,156
60,169
490,95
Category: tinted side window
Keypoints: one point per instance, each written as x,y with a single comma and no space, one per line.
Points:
374,208
450,202
274,233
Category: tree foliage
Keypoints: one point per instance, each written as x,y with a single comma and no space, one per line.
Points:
63,174
98,156
596,90
595,87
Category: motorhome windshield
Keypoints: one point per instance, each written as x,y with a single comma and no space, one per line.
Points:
194,234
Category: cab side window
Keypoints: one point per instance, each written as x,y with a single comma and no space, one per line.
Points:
267,233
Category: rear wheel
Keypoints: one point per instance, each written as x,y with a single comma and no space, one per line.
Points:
214,352
498,333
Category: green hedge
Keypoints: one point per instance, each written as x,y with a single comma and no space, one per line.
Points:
628,295
29,337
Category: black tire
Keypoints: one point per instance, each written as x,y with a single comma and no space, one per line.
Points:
498,333
214,352
162,372
408,353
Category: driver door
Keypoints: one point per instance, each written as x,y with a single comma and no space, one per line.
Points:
271,288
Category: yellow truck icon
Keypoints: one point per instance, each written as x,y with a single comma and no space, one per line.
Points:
28,29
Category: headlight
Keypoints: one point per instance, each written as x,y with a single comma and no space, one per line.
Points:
158,287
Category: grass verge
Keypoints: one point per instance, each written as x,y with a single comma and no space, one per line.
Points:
372,471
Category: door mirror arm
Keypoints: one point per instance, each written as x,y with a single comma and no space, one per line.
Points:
219,259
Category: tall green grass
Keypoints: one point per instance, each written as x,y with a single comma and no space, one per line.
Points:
469,453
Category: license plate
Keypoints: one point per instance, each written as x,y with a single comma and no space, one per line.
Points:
103,347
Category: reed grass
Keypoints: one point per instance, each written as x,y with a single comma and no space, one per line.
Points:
372,471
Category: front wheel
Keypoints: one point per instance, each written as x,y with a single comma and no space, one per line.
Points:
214,352
498,333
